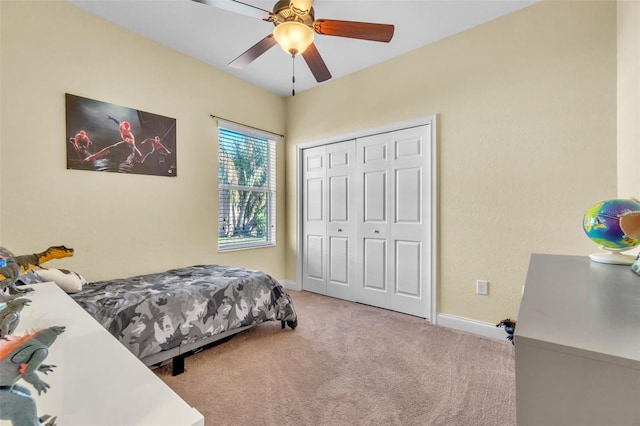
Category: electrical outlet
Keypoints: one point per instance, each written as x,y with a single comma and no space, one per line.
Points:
482,287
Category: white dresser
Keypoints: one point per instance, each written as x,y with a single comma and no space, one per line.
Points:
97,381
577,344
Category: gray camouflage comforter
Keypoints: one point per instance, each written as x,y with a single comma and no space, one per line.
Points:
156,312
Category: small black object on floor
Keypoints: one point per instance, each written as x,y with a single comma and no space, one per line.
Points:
509,327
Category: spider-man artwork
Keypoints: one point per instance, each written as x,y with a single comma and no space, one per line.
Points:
111,138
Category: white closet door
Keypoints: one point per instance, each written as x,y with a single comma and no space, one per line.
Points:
366,220
373,221
394,225
341,193
328,199
314,216
411,222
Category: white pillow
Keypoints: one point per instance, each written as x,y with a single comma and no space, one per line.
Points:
69,281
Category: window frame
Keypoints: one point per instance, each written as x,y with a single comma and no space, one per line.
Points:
269,188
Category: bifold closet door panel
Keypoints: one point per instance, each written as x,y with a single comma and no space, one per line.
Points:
341,196
329,221
373,221
410,230
314,213
393,231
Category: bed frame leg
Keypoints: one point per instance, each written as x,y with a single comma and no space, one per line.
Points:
282,323
178,365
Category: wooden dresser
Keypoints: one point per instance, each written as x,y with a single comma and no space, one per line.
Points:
577,344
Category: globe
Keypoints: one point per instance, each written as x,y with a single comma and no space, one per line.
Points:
601,223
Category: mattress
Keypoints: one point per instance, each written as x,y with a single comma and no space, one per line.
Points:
157,312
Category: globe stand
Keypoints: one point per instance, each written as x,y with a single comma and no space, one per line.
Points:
613,257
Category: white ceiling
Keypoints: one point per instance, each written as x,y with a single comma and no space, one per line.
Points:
216,36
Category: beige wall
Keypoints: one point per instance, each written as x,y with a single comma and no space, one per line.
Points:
118,224
526,140
1,121
628,107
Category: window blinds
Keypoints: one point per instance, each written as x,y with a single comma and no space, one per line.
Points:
246,189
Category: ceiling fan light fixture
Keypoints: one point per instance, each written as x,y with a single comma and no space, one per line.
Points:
294,37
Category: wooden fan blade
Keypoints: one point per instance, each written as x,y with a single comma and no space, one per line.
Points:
316,63
352,29
254,52
241,8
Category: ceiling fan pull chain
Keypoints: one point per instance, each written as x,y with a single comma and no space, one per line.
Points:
293,75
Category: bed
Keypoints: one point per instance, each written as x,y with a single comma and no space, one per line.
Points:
169,315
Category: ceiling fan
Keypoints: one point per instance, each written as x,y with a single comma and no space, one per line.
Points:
295,24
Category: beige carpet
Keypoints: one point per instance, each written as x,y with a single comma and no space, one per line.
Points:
350,364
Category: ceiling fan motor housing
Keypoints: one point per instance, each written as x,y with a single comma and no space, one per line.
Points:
285,13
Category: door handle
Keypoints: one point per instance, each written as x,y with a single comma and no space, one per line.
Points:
375,231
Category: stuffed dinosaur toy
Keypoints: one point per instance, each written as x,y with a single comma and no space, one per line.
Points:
17,265
21,358
10,316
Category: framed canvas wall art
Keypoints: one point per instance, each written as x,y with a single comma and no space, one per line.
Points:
111,138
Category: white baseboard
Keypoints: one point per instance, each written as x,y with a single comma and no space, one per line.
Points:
450,321
472,326
290,285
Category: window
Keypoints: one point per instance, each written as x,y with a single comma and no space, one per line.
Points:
246,188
